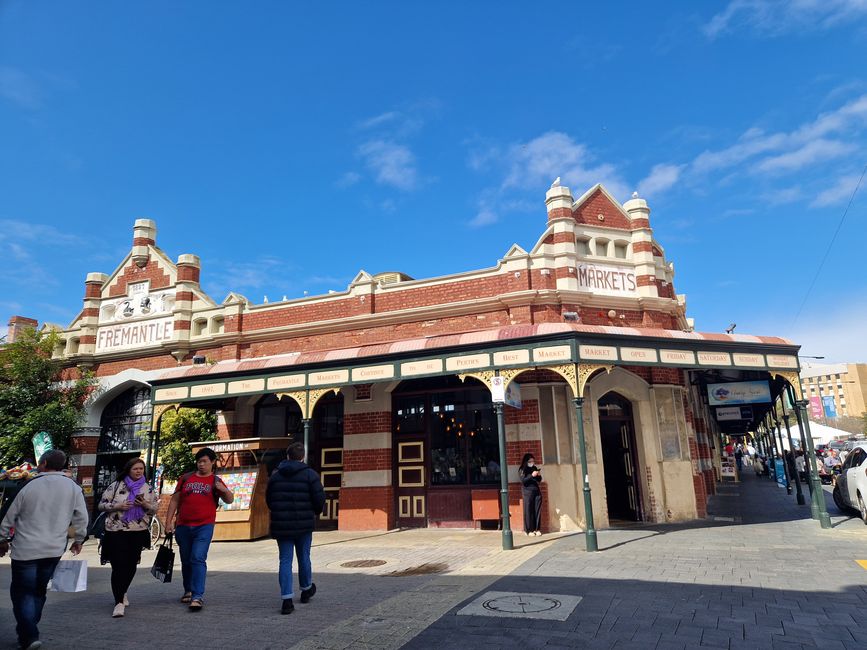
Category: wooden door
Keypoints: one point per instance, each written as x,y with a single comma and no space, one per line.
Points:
410,479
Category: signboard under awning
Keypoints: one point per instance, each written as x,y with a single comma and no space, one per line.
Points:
734,413
739,392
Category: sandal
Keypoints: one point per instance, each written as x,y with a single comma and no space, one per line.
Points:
187,597
196,605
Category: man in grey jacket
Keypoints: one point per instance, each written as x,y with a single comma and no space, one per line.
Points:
40,515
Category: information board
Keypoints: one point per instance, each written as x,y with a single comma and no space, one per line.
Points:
241,484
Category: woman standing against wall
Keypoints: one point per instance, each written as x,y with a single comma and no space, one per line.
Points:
129,504
531,477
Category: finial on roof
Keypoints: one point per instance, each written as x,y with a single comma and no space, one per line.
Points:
635,195
556,182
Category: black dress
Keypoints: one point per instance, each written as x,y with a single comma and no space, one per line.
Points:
532,496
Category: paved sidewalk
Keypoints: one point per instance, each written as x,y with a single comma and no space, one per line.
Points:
419,575
758,574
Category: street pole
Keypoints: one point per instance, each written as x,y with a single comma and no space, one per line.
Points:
799,492
817,505
803,442
589,530
508,542
149,469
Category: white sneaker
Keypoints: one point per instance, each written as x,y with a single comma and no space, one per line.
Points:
118,611
125,601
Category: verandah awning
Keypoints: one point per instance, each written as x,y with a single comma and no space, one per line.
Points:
519,346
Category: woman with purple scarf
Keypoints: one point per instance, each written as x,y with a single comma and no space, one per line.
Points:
129,503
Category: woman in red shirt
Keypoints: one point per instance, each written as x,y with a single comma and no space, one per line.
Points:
195,503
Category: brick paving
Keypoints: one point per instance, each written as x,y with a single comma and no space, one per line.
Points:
758,574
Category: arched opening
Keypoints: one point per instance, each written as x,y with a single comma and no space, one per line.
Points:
325,453
124,427
445,444
620,458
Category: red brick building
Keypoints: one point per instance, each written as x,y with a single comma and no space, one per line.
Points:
392,376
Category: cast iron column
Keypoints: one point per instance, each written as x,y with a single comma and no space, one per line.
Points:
817,507
589,530
149,469
508,542
776,424
306,423
803,443
798,490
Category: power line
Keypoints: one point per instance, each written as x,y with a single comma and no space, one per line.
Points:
830,245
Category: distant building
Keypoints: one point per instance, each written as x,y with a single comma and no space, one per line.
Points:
845,382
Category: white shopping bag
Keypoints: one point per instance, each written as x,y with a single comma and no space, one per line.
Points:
69,576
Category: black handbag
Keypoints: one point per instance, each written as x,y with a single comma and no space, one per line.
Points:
164,563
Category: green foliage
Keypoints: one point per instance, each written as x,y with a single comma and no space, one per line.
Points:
34,397
177,429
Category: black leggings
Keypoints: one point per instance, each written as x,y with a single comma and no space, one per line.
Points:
123,549
532,509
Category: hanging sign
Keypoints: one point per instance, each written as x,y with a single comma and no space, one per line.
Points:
734,413
739,392
830,407
513,395
815,408
41,444
780,472
498,389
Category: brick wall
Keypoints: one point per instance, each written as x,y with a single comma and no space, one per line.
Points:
152,271
366,508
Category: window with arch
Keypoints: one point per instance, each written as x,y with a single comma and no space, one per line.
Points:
125,421
276,418
600,247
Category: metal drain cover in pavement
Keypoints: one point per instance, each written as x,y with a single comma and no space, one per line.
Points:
555,607
362,564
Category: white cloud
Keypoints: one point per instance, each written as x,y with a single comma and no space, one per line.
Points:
773,17
811,153
829,136
379,120
19,88
391,163
16,230
553,154
484,217
836,334
839,192
348,180
660,178
783,195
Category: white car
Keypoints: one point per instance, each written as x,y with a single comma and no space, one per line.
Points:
850,492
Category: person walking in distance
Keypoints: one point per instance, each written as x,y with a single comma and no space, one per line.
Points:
295,498
195,504
40,515
129,504
531,493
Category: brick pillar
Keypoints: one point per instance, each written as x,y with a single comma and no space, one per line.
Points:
523,434
366,493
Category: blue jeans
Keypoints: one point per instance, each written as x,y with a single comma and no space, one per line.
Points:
193,543
301,547
29,584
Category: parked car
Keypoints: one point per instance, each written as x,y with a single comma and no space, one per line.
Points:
850,492
837,445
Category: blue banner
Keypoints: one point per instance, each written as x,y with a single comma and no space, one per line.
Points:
780,472
830,407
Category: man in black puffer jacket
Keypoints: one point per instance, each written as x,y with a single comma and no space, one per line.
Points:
295,498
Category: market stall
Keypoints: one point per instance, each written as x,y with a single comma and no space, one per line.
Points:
244,466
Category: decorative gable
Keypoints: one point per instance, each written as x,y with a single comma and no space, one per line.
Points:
599,208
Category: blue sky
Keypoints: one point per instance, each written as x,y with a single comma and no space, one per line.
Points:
290,145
